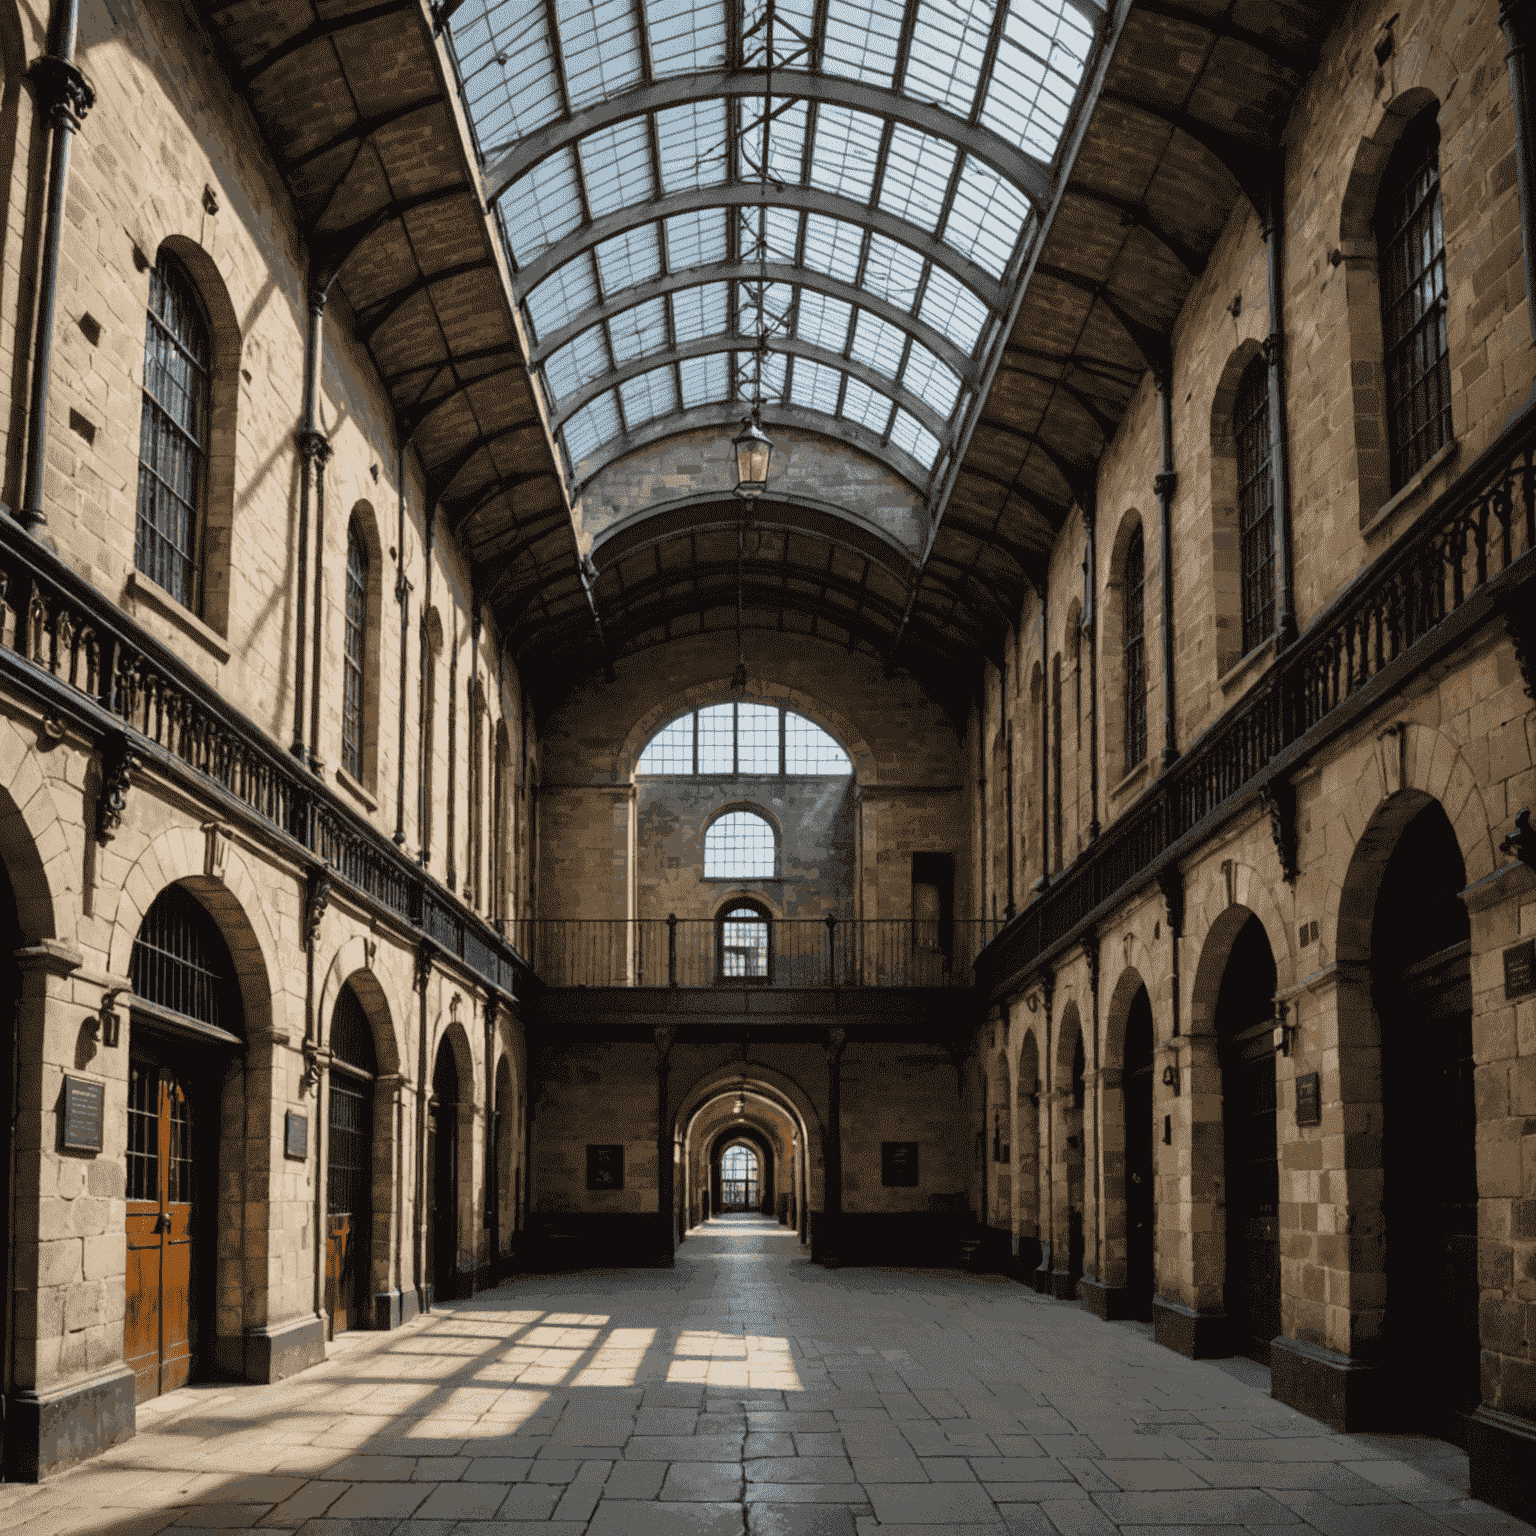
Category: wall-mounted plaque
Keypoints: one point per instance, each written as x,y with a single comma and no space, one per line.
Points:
1520,969
605,1167
296,1136
83,1103
1309,1099
898,1164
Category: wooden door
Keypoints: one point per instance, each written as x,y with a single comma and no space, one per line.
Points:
159,1327
1253,1190
349,1200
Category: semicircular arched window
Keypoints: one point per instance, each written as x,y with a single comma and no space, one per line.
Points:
181,967
743,935
744,738
739,846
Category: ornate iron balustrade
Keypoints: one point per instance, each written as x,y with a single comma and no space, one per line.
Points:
1469,558
81,659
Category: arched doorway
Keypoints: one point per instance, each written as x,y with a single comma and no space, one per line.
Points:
1245,1032
1140,1202
1026,1152
443,1169
504,1184
740,1184
1421,979
187,1025
1070,1158
349,1167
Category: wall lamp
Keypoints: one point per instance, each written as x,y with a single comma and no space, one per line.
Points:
1285,1032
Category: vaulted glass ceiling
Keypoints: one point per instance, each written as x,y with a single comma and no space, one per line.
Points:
879,248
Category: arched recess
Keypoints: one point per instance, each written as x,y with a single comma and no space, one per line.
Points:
1072,740
33,845
14,1028
1123,1114
507,1161
356,1184
761,1143
364,525
1112,657
450,1167
1000,1149
431,657
503,900
1068,1163
1026,1154
1226,552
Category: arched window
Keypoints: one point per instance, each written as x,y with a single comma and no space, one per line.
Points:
1134,652
738,1179
354,648
744,932
181,964
739,846
1410,241
173,433
1255,503
743,738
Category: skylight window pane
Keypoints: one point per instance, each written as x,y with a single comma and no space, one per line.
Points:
909,433
601,49
616,165
1040,62
757,738
949,306
777,298
699,312
816,386
847,146
670,749
593,425
867,406
988,217
542,206
878,343
832,246
692,145
563,294
949,43
577,363
783,233
892,271
931,380
695,239
638,332
861,39
786,138
717,739
809,749
508,68
823,320
772,377
917,172
651,395
685,37
705,379
627,259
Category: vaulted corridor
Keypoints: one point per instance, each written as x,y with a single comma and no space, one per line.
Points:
748,1391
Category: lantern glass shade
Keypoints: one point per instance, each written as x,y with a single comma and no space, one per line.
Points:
754,451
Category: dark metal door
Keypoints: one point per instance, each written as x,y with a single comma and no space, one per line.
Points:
349,1200
1253,1190
445,1199
1139,1211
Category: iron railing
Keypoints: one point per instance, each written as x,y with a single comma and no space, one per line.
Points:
1471,556
82,659
778,952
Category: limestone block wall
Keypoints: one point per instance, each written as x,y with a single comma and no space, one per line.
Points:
901,1093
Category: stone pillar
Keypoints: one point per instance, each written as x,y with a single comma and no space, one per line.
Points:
389,1198
1063,1285
666,1225
827,1249
1103,1290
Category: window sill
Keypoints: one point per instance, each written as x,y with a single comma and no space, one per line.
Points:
1237,677
356,790
1389,510
150,593
1129,782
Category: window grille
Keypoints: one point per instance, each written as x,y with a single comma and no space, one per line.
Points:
744,945
352,1035
739,846
353,652
1255,503
757,738
743,738
717,739
143,1132
809,749
1134,653
349,1163
181,1165
1411,241
173,430
181,963
738,1178
670,749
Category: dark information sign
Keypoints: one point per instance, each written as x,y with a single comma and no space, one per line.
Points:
296,1136
1309,1099
605,1167
83,1101
1520,969
898,1164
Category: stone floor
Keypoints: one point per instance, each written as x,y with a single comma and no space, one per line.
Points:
747,1393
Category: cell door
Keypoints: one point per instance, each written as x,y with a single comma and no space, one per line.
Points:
1253,1190
160,1325
349,1199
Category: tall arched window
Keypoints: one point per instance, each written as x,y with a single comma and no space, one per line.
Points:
739,846
1255,502
173,433
1134,652
1410,241
354,649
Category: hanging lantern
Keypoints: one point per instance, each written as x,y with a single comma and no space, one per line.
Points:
741,1105
754,451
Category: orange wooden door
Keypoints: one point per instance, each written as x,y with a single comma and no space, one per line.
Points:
159,1338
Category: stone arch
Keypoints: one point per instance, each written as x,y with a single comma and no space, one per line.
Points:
1112,645
455,1253
364,521
34,843
1068,1153
747,1133
1226,540
1026,1150
1252,894
352,965
1000,1142
508,1163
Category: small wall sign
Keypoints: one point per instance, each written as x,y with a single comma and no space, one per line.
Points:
1309,1099
605,1166
898,1164
83,1106
296,1136
1520,969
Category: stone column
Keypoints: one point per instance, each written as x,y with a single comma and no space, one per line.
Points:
666,1226
832,1158
389,1198
1104,1270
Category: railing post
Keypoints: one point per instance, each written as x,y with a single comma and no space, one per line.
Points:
831,949
671,949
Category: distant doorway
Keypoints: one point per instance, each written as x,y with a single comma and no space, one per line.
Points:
739,1181
349,1166
443,1167
1140,1208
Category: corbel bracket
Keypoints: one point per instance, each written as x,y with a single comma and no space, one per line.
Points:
1279,799
119,763
317,899
1171,883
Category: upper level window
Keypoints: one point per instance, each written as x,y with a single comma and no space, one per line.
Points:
1410,239
1135,652
743,738
739,846
173,433
354,643
1255,503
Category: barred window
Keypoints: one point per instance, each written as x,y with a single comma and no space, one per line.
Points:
353,650
1411,242
173,433
181,963
739,846
743,945
1255,503
1134,653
